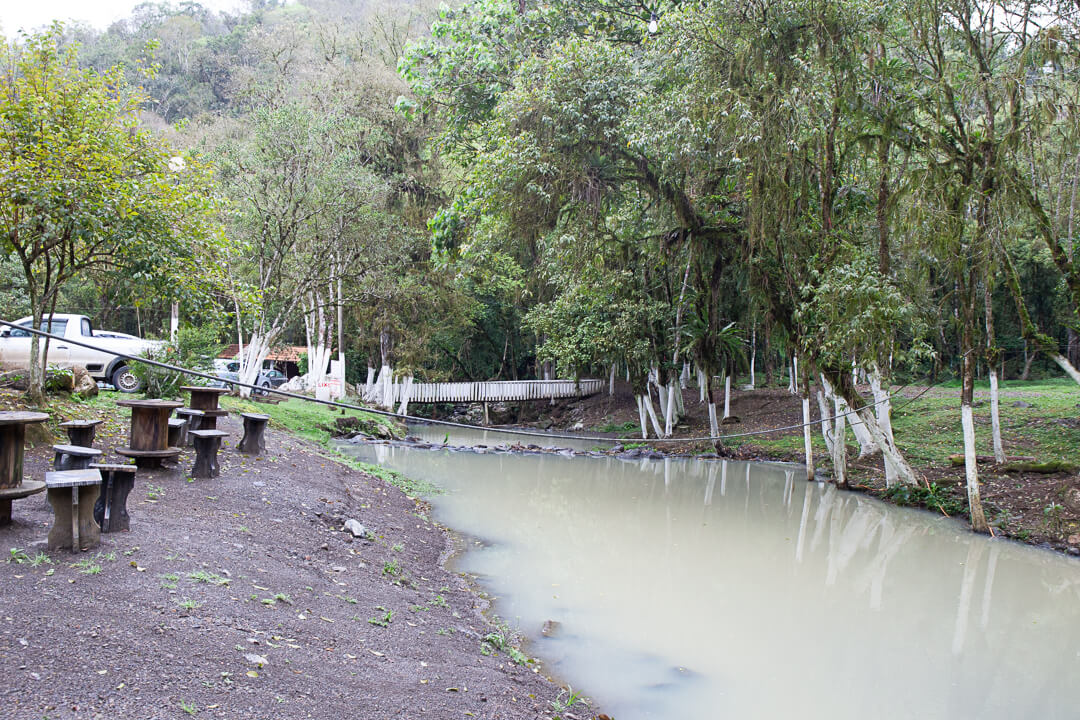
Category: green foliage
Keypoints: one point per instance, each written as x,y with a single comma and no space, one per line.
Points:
933,497
195,349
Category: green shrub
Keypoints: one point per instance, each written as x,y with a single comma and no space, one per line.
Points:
195,349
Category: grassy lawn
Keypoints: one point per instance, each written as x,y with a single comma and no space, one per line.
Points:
927,428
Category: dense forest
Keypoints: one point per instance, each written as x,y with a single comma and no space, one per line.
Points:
828,192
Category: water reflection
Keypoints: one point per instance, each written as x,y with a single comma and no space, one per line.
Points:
693,589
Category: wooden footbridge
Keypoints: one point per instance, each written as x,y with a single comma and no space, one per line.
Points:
495,391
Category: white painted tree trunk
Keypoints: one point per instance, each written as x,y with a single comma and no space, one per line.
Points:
753,355
641,416
808,448
669,416
839,456
388,388
727,396
611,381
251,360
971,472
824,398
406,393
657,430
791,386
375,396
714,426
995,417
680,408
369,385
867,446
684,376
883,412
702,386
904,472
1064,364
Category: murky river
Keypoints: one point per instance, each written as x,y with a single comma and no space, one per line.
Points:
689,589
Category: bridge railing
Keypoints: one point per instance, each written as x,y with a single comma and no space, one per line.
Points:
498,390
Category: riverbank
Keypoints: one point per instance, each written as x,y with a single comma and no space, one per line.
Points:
1039,419
242,597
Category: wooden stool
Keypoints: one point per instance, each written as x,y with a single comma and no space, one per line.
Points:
74,457
254,426
110,510
194,422
178,432
207,443
81,432
72,494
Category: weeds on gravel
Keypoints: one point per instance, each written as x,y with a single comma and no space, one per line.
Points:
498,640
92,566
22,558
438,601
398,547
567,699
154,492
383,621
169,581
201,576
189,708
278,598
188,604
391,568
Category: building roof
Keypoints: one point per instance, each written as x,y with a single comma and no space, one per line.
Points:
283,353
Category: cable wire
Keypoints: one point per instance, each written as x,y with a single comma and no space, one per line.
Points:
450,423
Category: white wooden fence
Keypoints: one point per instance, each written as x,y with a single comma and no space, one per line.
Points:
494,391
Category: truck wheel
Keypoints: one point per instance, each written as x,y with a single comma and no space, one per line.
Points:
125,381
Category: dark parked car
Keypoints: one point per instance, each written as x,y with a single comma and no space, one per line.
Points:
266,379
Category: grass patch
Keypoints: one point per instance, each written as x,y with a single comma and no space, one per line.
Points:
317,424
928,430
311,421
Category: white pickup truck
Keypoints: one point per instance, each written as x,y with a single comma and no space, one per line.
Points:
103,366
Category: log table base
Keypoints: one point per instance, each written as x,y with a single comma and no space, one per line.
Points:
74,457
110,510
12,442
149,439
81,432
254,427
149,459
72,494
28,487
207,443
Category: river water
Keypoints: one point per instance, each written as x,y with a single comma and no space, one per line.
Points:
694,589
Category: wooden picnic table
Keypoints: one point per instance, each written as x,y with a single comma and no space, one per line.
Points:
12,443
148,442
206,399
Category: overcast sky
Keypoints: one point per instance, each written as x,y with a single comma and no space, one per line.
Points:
31,14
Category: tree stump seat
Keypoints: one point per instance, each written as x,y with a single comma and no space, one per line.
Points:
177,432
207,443
72,494
194,422
74,457
110,510
253,442
81,432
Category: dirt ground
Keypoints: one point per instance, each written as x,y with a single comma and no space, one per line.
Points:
241,597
